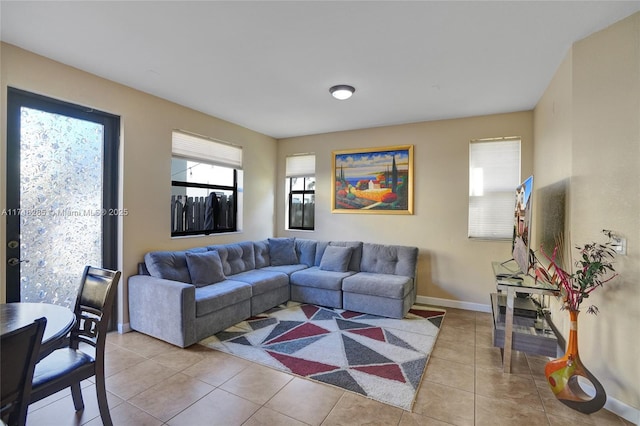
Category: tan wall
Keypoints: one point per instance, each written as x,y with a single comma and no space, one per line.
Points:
553,131
145,156
450,265
552,159
587,129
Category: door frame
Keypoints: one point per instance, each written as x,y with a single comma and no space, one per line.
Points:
17,98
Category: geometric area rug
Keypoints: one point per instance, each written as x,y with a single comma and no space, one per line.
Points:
381,358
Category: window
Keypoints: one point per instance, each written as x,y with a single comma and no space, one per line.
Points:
494,173
301,183
206,181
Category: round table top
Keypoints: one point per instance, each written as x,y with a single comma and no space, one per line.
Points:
60,320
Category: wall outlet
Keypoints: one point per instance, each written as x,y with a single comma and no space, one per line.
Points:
620,244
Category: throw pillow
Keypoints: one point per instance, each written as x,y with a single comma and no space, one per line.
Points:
282,251
168,265
336,258
205,268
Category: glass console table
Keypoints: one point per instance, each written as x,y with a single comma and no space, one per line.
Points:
520,333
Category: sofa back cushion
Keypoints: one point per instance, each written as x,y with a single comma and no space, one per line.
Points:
142,269
236,258
356,254
169,265
388,259
261,251
282,251
205,268
306,251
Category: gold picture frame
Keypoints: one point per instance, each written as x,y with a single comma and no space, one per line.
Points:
373,180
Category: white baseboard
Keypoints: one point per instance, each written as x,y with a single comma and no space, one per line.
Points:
623,410
124,328
614,405
448,303
617,407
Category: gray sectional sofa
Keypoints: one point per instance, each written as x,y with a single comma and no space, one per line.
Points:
184,296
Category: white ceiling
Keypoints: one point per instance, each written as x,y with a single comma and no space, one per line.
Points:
268,65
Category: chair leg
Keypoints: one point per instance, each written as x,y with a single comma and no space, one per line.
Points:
76,394
103,405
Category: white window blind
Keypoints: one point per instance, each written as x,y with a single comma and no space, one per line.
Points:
204,149
494,174
301,165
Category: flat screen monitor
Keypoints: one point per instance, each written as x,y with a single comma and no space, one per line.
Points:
522,225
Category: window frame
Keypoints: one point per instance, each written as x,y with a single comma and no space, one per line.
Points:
187,146
213,187
303,193
299,166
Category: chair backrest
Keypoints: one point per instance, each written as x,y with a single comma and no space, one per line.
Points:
19,352
93,307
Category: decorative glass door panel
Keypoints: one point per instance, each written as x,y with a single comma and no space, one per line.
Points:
60,204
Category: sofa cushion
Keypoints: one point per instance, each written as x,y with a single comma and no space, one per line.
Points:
261,251
205,268
336,259
306,251
237,257
356,255
315,277
211,298
286,269
169,265
388,259
320,248
382,285
262,281
282,251
142,269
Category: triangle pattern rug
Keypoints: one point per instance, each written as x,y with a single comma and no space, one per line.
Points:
381,358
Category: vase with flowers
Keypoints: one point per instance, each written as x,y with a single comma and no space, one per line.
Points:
592,269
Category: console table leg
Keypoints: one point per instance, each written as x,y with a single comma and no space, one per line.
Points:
508,331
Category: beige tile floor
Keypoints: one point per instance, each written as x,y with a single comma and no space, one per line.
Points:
150,382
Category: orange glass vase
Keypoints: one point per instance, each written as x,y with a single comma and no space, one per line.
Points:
563,373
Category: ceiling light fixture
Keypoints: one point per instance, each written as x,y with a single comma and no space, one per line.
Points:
342,91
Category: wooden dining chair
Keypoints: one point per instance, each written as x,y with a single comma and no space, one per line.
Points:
68,366
19,351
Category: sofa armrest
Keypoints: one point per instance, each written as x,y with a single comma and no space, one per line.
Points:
163,309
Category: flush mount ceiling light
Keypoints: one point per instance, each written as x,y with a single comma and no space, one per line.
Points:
342,91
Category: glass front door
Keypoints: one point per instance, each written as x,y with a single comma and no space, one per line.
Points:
59,197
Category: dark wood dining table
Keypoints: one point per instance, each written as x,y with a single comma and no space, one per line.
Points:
60,321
